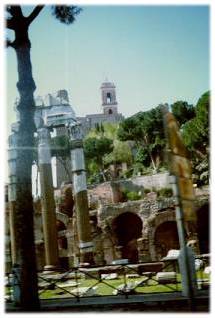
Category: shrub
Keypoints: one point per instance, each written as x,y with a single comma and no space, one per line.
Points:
165,192
131,195
146,190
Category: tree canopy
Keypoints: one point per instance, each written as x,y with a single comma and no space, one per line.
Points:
96,148
146,130
196,131
196,136
183,111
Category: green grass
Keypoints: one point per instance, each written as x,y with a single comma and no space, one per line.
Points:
104,289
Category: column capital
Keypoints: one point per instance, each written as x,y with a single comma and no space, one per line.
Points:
76,144
75,131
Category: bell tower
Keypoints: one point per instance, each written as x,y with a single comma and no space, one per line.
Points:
109,102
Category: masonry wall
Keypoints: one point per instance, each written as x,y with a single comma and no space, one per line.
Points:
104,192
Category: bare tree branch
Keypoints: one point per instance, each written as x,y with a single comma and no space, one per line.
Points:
9,43
15,11
34,13
10,24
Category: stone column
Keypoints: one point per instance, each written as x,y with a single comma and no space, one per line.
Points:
12,156
47,200
80,195
143,250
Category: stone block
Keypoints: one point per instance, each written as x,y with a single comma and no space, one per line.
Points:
84,291
132,275
166,277
120,261
207,270
109,276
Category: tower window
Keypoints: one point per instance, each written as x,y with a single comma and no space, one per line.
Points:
110,111
109,98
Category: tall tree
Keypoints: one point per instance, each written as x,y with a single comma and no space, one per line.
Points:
17,22
196,134
96,148
146,130
183,111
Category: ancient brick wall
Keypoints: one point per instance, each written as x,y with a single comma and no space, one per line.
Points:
101,193
111,192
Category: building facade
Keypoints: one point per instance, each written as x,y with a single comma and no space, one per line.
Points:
109,106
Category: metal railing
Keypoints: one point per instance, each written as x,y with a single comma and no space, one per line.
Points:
125,279
115,280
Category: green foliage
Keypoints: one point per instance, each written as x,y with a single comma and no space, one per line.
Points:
165,192
146,130
196,131
60,146
65,14
183,111
142,158
108,130
196,137
121,153
131,195
130,129
140,142
146,190
96,148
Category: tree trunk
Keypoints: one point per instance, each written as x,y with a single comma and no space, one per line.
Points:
152,161
150,154
24,205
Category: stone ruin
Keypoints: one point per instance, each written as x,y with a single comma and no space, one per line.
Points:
143,230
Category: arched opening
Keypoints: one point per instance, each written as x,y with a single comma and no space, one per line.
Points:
110,111
166,238
62,244
127,228
203,228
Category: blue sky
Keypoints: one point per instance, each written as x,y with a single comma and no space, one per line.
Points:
153,54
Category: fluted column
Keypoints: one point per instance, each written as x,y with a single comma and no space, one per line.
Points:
47,200
80,195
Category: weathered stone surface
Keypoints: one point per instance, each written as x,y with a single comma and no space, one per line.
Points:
66,201
109,276
153,214
166,277
84,291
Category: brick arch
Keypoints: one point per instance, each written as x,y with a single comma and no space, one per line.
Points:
127,228
153,223
109,215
